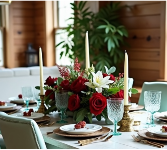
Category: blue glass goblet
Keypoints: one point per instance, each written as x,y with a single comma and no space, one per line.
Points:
62,104
115,109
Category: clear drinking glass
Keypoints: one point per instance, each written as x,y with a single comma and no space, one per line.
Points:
115,109
152,101
62,104
37,97
27,95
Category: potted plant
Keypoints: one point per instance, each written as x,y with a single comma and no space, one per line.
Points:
106,35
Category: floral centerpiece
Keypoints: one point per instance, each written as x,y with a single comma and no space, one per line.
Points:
88,91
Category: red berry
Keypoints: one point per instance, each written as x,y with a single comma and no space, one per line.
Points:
77,126
20,95
82,123
24,113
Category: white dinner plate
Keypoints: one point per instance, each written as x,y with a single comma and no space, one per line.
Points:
89,128
19,100
33,115
7,105
157,131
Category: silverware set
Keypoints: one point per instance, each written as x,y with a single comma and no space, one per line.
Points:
102,138
138,139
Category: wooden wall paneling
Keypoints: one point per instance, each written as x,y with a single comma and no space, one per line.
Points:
23,34
143,50
143,43
140,10
20,48
141,22
39,26
22,4
150,65
153,56
132,3
21,27
143,33
23,12
23,20
163,42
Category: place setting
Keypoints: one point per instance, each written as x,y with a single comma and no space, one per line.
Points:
9,108
39,118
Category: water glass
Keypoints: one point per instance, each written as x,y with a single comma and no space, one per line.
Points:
115,109
152,101
36,93
27,95
62,104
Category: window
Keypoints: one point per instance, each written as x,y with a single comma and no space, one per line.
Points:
62,13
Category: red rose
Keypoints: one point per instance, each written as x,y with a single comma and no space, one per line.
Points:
97,103
119,94
50,81
73,102
52,94
65,85
111,76
78,85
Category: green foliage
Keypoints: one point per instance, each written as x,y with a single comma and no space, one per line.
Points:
106,35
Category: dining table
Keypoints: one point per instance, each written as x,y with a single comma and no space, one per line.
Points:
123,141
54,140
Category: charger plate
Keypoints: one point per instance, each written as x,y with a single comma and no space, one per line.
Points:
148,135
102,131
11,109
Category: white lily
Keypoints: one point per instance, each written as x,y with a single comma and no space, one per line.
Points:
99,82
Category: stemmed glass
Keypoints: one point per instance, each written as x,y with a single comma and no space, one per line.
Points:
152,101
62,104
37,97
27,95
115,109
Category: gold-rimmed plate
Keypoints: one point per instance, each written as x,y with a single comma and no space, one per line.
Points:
148,135
104,130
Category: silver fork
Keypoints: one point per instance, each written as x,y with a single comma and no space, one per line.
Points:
137,139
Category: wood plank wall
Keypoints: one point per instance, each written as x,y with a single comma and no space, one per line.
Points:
30,22
144,22
22,33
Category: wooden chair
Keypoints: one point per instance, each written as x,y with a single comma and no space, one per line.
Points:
20,133
160,86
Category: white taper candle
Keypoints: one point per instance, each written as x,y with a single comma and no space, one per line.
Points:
87,51
126,79
41,72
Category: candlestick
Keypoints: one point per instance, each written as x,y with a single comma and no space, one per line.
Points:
126,79
41,72
87,51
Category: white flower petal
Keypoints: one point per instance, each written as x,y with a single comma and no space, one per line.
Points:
99,90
